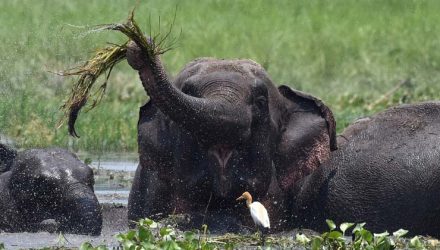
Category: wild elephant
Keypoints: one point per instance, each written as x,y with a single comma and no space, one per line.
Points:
221,125
386,173
44,184
218,130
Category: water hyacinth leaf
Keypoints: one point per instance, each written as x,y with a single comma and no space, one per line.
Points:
334,235
165,231
416,243
358,227
148,222
143,234
302,239
344,226
316,243
400,233
84,246
384,234
189,236
367,236
331,224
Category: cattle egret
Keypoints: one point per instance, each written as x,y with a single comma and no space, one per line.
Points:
258,213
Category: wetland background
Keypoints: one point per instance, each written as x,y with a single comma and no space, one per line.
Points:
348,53
354,55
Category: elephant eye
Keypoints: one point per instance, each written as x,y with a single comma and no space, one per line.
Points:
261,101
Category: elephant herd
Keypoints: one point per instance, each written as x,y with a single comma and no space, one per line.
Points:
222,127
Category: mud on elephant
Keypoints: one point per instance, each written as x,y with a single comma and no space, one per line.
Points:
216,131
47,184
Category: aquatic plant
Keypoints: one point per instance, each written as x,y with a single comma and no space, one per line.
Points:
151,235
362,239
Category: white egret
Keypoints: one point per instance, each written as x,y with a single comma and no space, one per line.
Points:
258,213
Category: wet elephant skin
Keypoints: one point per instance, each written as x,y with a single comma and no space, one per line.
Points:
49,184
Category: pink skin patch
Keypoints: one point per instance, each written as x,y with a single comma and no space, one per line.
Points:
222,153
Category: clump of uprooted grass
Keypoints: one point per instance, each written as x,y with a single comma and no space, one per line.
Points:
103,62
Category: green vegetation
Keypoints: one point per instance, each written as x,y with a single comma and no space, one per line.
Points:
159,235
152,235
348,53
362,239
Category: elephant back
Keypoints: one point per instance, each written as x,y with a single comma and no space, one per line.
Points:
387,173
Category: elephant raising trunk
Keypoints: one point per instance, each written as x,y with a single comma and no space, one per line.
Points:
210,115
218,129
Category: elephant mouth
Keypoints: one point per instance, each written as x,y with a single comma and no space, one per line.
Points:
222,153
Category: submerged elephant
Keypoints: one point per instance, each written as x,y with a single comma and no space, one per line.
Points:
385,173
216,131
47,184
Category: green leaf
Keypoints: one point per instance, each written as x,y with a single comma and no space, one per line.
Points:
358,227
144,234
302,239
344,226
384,234
367,236
84,246
331,224
128,244
147,245
120,237
335,235
228,246
130,235
88,161
316,243
416,243
400,233
164,231
189,236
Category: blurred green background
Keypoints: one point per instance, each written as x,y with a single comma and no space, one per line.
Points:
348,53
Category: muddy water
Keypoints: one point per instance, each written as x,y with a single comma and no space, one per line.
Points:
113,178
114,222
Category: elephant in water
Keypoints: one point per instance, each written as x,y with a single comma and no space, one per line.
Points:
216,131
38,185
386,173
222,128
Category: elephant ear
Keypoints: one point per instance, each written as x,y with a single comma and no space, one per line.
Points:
312,104
308,134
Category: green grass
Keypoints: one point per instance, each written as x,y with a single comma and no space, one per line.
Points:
348,53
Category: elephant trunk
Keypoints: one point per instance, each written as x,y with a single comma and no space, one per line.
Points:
81,213
213,117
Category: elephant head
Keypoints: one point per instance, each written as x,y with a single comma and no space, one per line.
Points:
54,184
240,124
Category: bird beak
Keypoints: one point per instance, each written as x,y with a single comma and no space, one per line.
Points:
240,198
